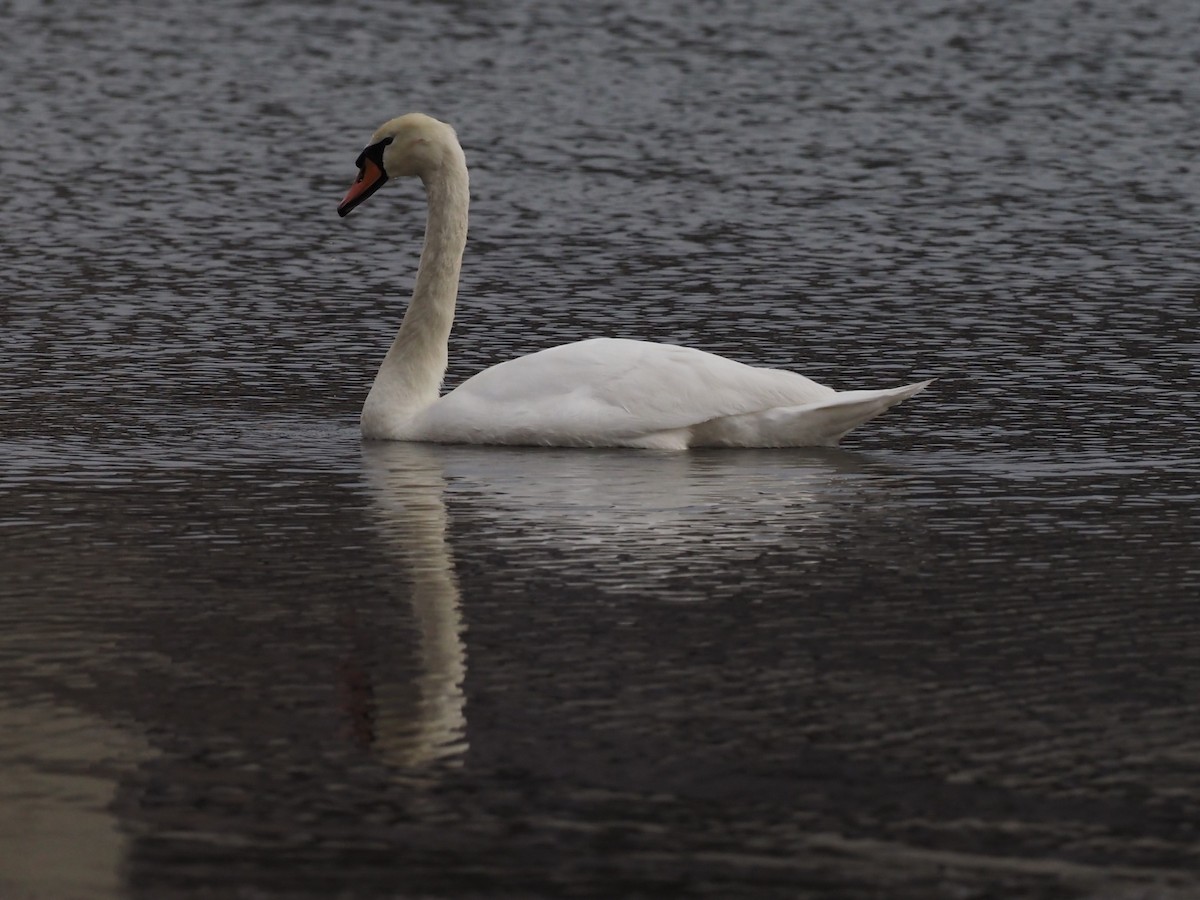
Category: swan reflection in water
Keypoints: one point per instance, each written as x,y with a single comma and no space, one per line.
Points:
640,523
407,490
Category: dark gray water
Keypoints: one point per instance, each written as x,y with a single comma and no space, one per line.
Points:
244,655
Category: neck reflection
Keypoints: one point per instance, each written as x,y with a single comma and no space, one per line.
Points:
407,488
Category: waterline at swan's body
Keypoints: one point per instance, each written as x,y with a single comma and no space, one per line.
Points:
596,393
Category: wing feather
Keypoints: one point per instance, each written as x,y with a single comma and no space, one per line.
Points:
609,389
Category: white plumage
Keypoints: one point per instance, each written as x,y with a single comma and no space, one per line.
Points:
602,392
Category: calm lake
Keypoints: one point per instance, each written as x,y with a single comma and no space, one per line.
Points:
244,654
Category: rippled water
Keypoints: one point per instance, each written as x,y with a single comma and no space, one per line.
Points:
244,655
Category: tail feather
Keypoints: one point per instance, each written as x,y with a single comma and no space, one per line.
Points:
823,423
849,409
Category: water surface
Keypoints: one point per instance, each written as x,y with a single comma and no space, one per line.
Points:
242,654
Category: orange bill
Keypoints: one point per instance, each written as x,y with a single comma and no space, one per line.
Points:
370,179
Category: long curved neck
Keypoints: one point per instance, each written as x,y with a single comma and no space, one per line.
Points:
411,374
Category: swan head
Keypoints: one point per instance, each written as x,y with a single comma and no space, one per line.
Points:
411,145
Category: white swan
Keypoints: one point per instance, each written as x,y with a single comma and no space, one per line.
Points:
602,392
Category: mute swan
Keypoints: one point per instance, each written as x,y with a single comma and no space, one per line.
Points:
603,392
